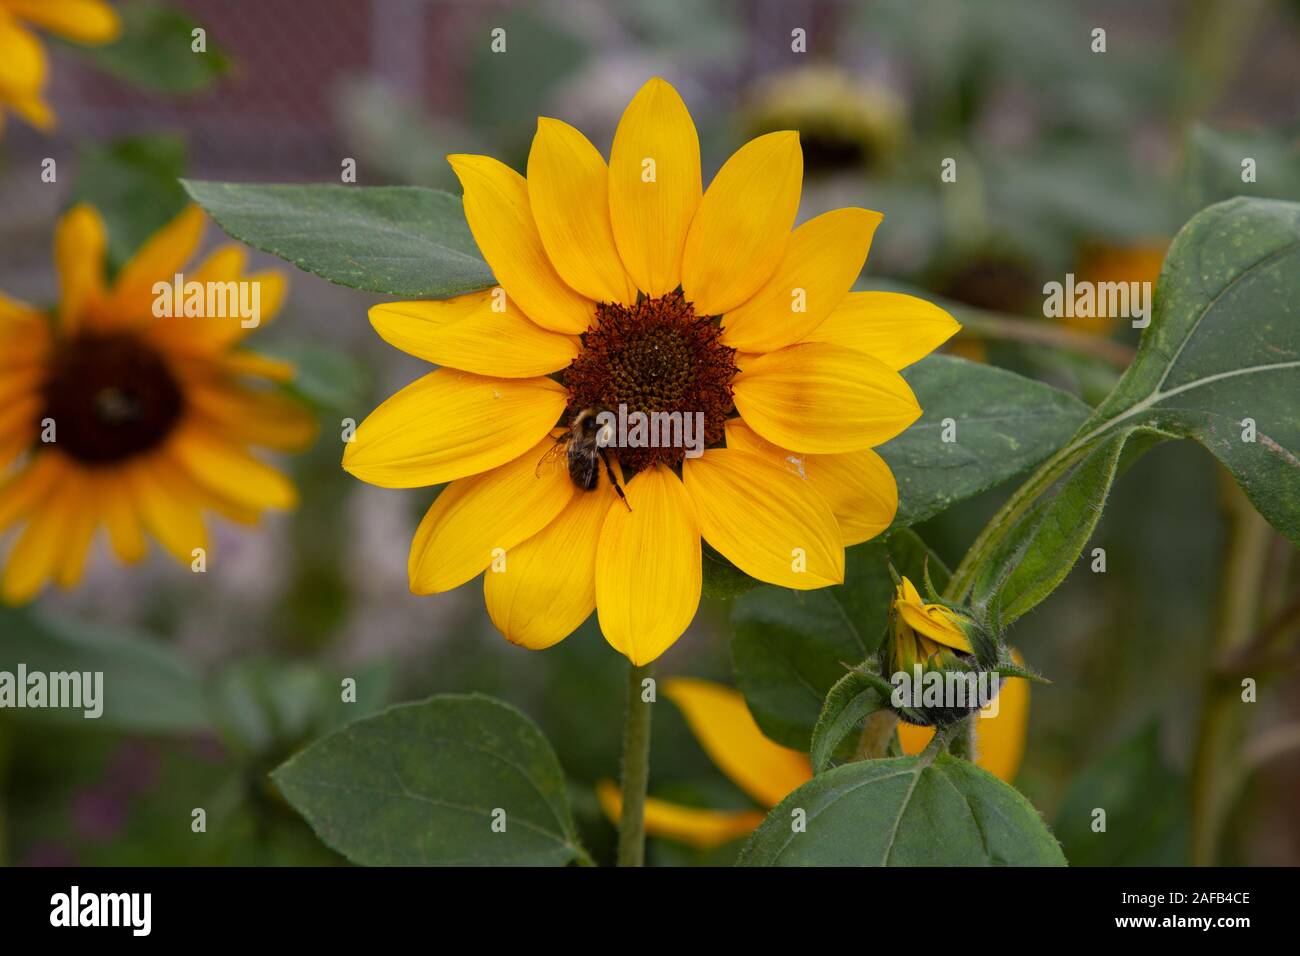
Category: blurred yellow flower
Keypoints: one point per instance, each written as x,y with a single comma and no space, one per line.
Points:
23,67
845,124
767,772
111,416
628,288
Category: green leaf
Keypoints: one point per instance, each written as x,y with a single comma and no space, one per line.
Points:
134,184
788,648
156,52
145,688
1220,363
420,785
399,240
1145,801
855,696
929,810
722,579
1004,424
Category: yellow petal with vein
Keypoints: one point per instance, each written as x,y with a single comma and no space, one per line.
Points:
568,187
475,334
451,424
742,228
501,218
895,328
654,186
771,524
823,398
820,265
648,566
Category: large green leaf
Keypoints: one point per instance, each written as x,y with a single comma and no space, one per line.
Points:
422,783
929,810
400,240
156,51
1223,348
788,648
1003,424
146,689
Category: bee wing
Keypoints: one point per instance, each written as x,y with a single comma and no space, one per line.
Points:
555,456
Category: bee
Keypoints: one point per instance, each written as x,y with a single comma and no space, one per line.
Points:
585,447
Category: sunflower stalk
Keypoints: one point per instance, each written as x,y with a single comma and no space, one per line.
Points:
636,768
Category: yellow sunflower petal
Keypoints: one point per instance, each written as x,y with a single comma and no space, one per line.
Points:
36,554
80,241
742,228
769,523
23,67
721,722
18,425
648,566
227,470
254,416
547,587
450,424
77,535
568,188
654,186
23,491
895,328
823,398
33,108
820,265
164,497
470,333
474,517
83,21
163,255
120,518
694,826
858,485
501,219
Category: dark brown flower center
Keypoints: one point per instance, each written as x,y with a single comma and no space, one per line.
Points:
111,397
652,358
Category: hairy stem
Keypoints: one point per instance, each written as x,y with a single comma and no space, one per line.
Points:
636,769
877,732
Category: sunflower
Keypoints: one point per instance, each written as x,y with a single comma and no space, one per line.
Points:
22,58
767,772
110,416
627,287
845,124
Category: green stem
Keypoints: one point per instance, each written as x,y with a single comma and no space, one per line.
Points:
1215,764
636,769
1000,524
877,733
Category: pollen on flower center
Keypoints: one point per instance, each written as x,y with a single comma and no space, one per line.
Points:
111,397
655,356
